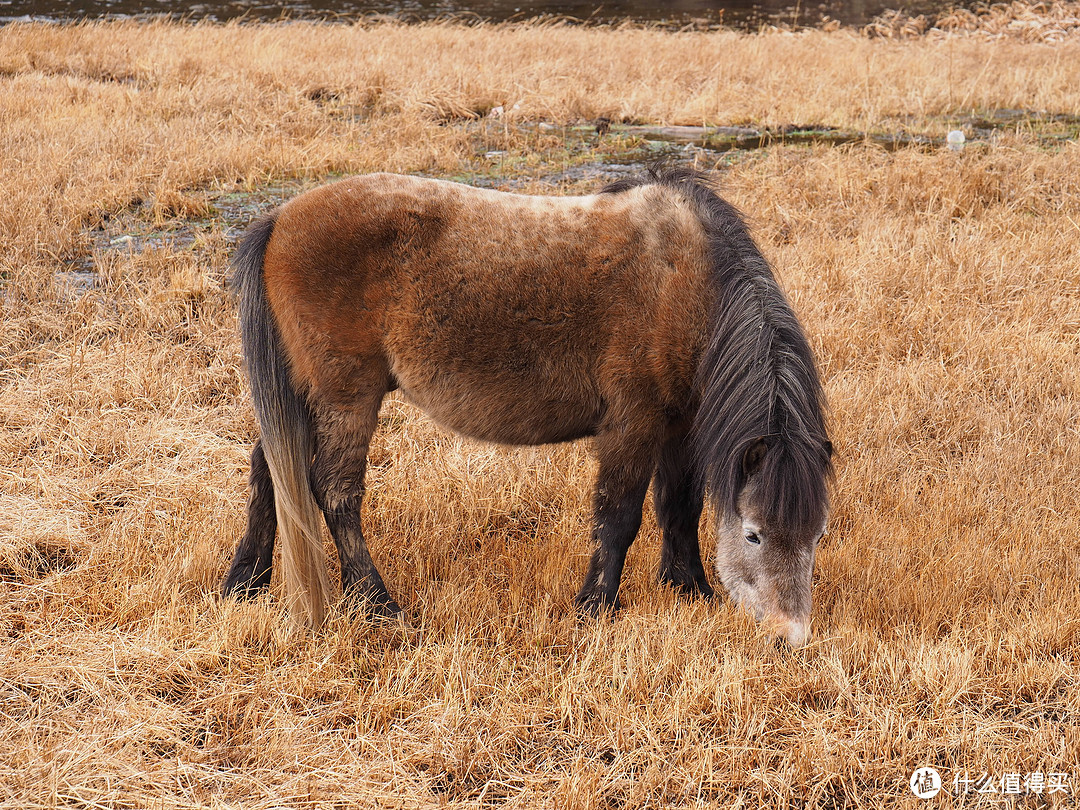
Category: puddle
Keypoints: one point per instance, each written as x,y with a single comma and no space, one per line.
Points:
591,174
132,231
1046,127
727,139
590,156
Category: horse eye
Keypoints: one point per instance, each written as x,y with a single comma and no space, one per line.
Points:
751,537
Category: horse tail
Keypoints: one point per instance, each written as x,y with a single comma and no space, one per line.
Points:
286,427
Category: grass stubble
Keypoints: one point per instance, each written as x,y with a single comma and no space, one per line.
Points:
942,294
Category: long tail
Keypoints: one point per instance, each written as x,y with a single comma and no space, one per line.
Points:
286,427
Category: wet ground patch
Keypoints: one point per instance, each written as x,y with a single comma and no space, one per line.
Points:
539,157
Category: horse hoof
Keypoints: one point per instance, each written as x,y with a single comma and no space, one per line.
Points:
695,594
396,625
386,614
377,607
245,584
592,607
686,584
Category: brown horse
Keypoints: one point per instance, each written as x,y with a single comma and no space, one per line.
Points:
644,316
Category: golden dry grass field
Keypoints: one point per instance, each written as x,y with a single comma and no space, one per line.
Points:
941,291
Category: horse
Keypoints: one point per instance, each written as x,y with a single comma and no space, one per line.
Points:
643,316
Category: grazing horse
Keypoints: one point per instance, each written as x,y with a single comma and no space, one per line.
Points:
643,316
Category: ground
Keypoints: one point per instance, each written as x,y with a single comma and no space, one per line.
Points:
941,291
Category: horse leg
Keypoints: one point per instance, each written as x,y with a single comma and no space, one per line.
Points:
342,437
678,499
253,561
621,484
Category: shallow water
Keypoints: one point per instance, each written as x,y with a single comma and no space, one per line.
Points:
747,14
594,162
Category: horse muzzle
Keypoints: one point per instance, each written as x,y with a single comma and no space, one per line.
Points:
794,631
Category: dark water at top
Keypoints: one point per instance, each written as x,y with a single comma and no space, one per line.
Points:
746,14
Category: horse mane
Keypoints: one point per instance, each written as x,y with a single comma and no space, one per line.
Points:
756,379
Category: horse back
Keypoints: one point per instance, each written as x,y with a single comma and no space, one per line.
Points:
511,318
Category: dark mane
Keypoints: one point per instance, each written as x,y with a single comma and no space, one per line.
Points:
757,378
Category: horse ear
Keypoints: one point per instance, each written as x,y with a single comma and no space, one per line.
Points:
754,455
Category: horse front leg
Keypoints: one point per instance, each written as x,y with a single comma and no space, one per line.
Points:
337,478
678,499
623,479
253,562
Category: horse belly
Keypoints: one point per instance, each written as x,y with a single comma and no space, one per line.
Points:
494,408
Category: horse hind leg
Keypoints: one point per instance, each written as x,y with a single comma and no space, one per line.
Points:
342,437
678,499
253,561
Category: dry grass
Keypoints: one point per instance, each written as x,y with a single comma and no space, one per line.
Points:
1055,21
943,295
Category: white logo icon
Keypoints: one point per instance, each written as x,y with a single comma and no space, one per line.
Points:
926,783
